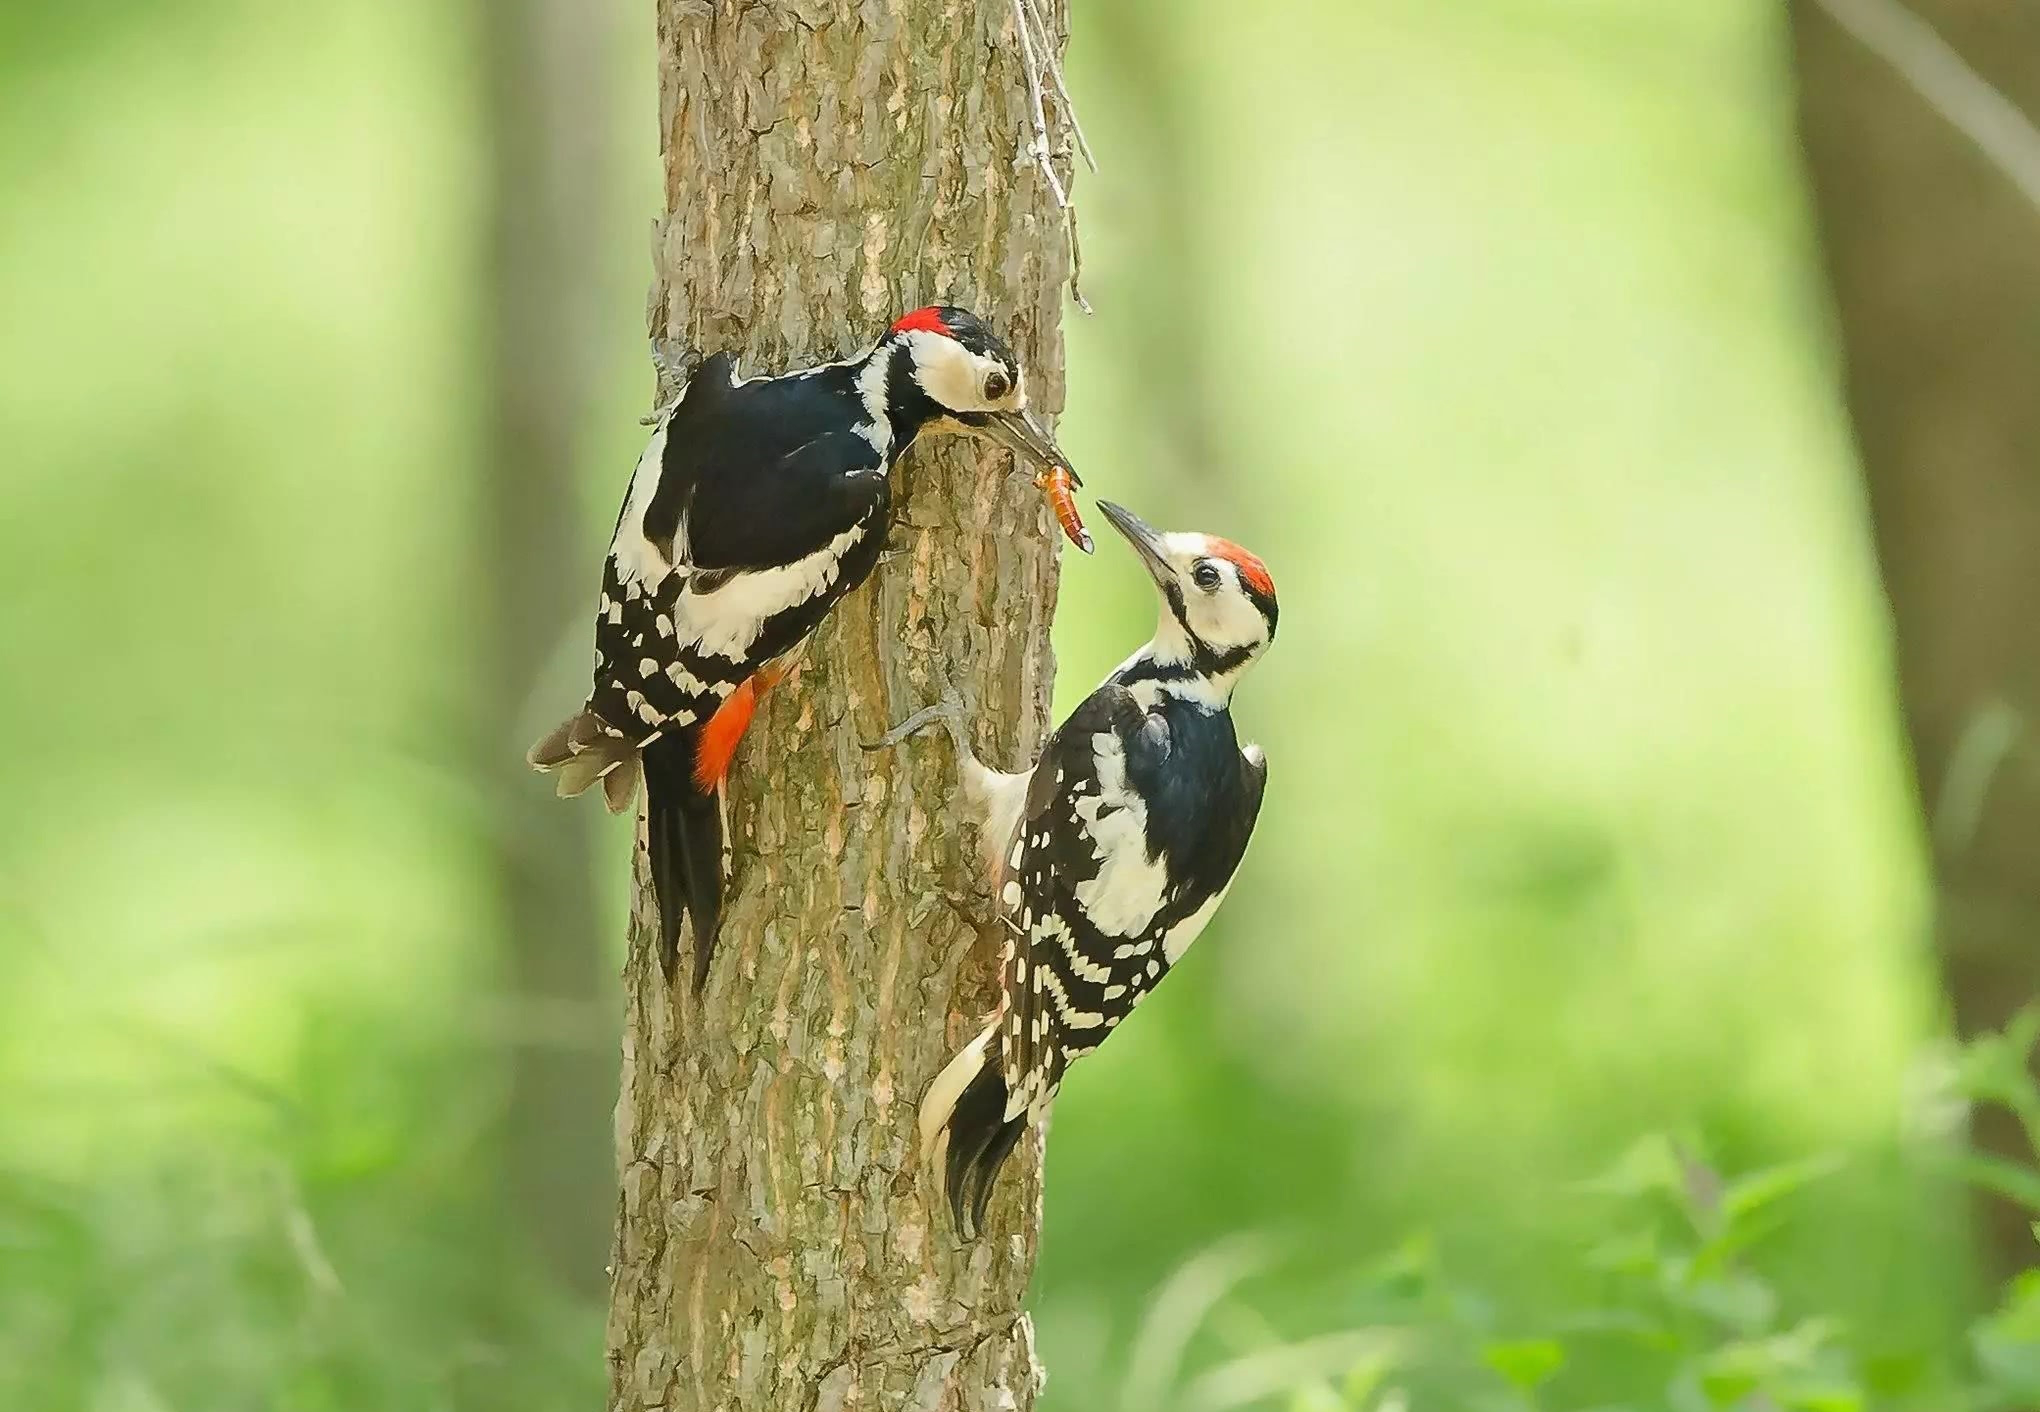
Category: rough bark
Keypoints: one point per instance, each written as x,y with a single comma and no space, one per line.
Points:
544,62
778,1246
1935,261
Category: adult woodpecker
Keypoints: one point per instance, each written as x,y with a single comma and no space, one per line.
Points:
1110,855
759,503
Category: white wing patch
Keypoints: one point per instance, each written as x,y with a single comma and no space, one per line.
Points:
726,621
638,560
1123,899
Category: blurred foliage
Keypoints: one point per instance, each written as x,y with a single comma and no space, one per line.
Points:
1686,1312
1494,327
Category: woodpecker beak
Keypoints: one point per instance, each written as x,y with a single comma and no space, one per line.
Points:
1144,537
1024,433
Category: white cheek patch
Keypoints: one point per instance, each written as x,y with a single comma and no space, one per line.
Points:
1227,617
952,374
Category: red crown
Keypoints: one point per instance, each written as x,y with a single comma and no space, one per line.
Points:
1252,571
928,320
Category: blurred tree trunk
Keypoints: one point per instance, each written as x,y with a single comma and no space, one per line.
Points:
777,1243
1163,183
546,67
1935,259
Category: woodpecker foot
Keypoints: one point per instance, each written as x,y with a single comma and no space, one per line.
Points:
897,542
948,711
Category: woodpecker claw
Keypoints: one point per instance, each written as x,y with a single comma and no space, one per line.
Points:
673,364
948,710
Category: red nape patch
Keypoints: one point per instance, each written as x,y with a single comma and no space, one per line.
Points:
1253,572
719,739
928,320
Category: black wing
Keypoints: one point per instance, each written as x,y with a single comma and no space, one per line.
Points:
761,473
1203,800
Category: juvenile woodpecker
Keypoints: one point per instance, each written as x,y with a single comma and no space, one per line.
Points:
1110,855
759,503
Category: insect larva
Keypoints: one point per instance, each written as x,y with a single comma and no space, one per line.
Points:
1060,488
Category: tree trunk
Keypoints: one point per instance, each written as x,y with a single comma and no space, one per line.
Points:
1935,258
545,62
778,1246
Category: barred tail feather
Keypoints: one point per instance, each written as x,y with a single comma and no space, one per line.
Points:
684,838
964,1127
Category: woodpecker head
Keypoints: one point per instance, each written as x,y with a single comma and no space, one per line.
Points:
1218,602
972,379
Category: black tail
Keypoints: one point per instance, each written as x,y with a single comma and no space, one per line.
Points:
964,1117
684,838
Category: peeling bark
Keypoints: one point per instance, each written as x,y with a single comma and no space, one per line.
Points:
828,164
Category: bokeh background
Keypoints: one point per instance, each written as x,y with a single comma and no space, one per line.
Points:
1502,329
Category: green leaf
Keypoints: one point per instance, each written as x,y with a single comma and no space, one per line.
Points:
1820,1398
1631,1325
2023,1032
2018,1312
2006,1179
1316,1397
1634,1254
1742,1302
1409,1271
1366,1376
1896,1374
1526,1363
1736,1370
2008,1352
1993,1068
1752,1192
1727,1384
1650,1167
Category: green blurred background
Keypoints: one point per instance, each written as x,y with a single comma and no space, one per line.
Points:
1497,327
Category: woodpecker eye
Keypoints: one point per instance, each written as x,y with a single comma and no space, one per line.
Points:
997,385
1205,575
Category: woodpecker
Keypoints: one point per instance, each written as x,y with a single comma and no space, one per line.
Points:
759,503
1110,855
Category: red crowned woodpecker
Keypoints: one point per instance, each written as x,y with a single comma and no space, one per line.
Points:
1110,855
759,503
